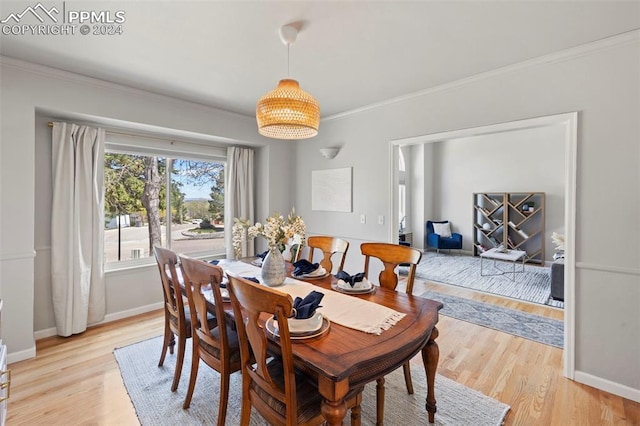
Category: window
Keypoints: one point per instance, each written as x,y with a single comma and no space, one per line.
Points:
159,200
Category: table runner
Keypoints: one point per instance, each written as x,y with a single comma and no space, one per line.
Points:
342,309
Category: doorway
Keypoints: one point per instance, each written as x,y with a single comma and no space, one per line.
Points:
568,124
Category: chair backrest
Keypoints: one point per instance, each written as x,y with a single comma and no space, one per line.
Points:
329,246
250,302
391,255
167,261
198,277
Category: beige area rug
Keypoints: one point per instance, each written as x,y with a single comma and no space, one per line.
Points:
149,389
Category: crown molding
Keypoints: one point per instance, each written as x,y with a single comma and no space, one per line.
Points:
69,76
555,57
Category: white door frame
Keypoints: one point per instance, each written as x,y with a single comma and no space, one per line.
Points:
570,123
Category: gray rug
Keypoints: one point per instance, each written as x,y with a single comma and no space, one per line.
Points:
532,285
533,327
149,389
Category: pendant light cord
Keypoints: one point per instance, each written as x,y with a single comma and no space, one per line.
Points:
288,47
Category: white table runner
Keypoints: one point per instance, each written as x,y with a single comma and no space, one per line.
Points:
342,309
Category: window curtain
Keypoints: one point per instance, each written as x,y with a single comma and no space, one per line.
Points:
238,196
77,222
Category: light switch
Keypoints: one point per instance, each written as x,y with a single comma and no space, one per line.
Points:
380,220
363,218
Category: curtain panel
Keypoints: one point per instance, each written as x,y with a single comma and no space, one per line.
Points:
239,195
77,222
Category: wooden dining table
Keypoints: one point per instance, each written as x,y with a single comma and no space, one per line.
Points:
345,358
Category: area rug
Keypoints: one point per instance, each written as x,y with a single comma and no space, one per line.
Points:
149,388
532,285
533,327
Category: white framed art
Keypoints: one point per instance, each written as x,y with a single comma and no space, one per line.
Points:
331,190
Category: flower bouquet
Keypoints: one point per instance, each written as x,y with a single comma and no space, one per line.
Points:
276,230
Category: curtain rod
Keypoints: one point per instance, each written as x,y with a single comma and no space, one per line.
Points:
172,140
50,124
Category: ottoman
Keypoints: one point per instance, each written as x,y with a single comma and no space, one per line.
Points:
557,280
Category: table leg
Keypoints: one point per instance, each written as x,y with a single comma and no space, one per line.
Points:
430,355
334,407
334,411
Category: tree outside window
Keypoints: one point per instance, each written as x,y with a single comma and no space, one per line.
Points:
137,192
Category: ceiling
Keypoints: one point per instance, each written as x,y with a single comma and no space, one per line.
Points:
348,54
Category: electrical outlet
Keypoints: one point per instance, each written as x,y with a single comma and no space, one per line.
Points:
363,218
380,220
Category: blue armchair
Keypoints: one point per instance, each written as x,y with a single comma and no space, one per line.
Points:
438,242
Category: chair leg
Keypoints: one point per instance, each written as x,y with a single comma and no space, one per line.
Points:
195,362
356,411
380,401
245,413
182,341
172,342
167,339
407,377
224,397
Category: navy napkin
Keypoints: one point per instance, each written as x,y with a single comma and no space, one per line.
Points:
303,266
352,280
214,261
262,255
254,279
305,308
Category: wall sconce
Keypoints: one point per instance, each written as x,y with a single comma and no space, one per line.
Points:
329,153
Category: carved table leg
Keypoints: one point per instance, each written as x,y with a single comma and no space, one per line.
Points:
334,407
334,412
430,355
380,401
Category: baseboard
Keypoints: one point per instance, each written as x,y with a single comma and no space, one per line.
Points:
131,312
41,334
22,355
607,386
47,332
453,252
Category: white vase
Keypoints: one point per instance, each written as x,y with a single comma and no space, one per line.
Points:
273,268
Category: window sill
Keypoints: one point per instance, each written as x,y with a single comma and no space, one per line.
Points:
138,264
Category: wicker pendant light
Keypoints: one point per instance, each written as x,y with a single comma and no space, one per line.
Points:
288,112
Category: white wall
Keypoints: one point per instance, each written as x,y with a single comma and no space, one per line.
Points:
529,160
26,89
601,83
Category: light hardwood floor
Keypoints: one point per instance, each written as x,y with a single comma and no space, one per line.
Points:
76,380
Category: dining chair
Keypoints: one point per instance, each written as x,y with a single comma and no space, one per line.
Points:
217,347
177,322
281,394
391,256
329,246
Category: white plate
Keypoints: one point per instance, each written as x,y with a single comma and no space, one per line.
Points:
305,325
361,287
272,327
225,294
318,273
208,294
